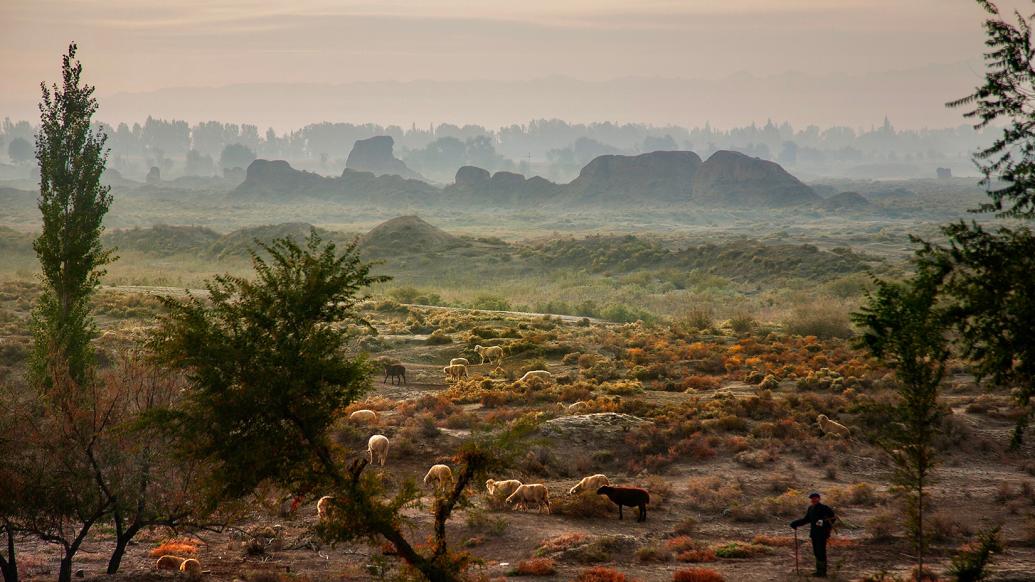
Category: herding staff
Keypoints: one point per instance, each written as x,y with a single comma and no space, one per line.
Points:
797,571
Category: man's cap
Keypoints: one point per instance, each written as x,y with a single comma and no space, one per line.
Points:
813,494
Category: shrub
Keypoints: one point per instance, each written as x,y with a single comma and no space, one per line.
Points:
438,337
561,542
585,504
601,574
882,526
685,527
735,550
536,567
822,319
971,563
175,547
652,554
697,575
697,556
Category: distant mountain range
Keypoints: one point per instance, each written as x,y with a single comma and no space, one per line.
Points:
374,175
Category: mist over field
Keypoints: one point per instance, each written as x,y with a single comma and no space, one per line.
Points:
318,285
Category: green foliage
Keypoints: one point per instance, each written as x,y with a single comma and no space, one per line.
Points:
989,296
265,364
1006,97
971,563
73,203
905,329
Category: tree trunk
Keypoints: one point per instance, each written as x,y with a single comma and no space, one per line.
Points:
121,542
9,565
65,573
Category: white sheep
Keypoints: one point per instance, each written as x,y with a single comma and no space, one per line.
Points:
502,489
323,506
455,371
578,407
365,416
441,475
591,484
191,567
832,428
537,375
169,562
461,361
490,353
377,448
533,493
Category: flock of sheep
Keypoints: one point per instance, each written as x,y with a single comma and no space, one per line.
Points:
512,492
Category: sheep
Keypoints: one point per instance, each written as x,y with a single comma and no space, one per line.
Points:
502,489
462,361
323,506
442,475
377,448
169,562
629,497
830,427
365,416
191,567
537,375
578,407
591,483
395,371
490,353
455,371
534,493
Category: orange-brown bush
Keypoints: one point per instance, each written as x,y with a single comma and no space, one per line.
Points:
713,493
697,556
697,575
536,567
601,574
175,547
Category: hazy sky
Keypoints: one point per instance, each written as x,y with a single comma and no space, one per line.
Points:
144,45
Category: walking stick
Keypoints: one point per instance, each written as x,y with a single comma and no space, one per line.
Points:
797,570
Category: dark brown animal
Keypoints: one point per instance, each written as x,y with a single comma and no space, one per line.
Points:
395,371
629,497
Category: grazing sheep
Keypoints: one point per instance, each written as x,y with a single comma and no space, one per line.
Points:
534,493
191,567
455,371
365,416
578,407
323,506
629,497
591,483
502,489
832,428
442,475
537,375
461,361
169,562
395,371
490,354
377,448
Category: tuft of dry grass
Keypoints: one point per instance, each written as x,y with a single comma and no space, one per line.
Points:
175,547
601,574
536,567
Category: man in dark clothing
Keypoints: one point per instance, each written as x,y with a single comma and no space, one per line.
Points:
821,521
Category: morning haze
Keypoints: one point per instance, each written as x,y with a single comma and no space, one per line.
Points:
442,290
825,62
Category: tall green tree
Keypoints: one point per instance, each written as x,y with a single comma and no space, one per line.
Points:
268,370
904,328
73,204
990,274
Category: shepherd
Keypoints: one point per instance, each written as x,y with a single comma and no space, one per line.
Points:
821,522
